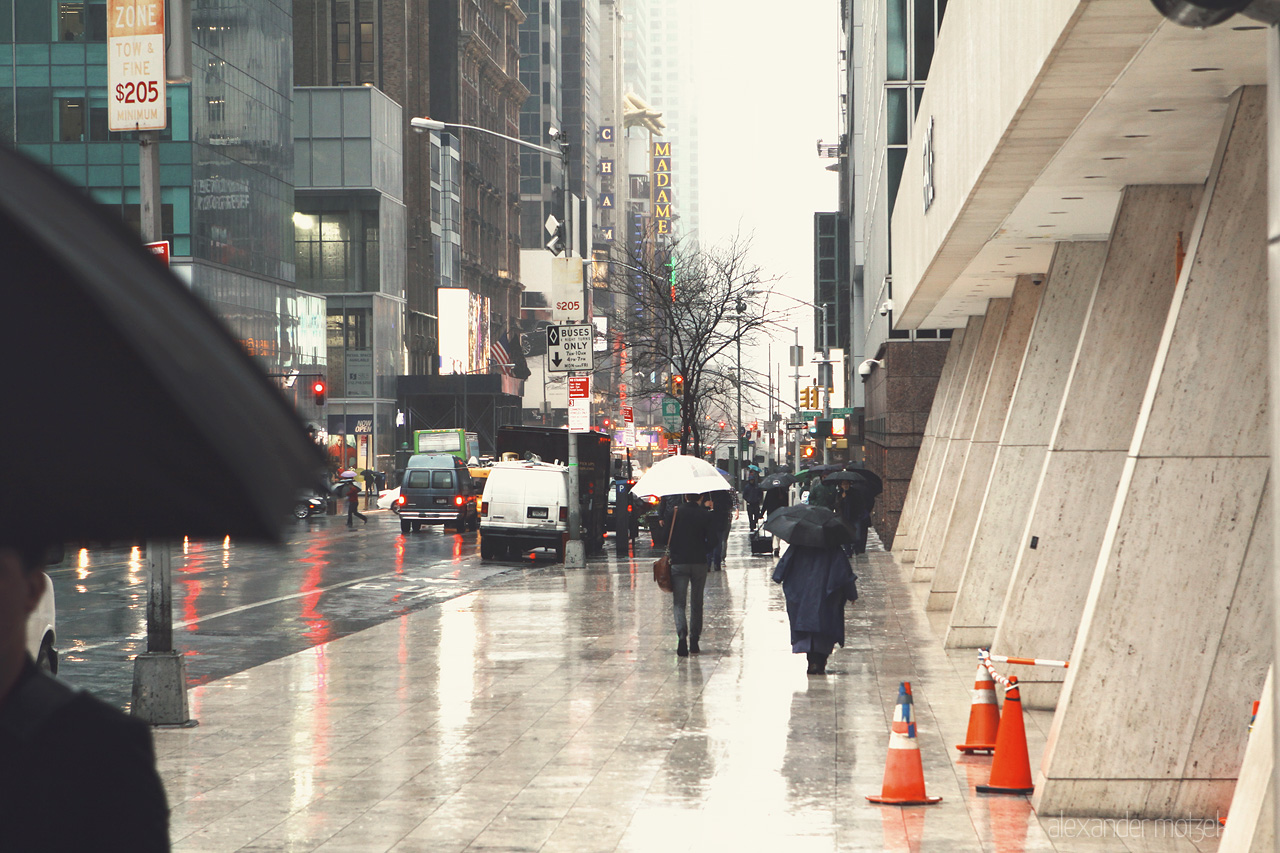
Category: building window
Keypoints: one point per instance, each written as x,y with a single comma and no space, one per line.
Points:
217,108
341,53
71,120
896,39
71,22
923,28
323,250
897,124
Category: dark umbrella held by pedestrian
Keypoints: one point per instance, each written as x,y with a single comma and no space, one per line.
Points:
858,484
777,481
810,526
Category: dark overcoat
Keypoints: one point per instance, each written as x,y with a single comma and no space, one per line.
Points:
816,582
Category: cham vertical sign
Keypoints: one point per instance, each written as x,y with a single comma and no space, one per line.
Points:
135,65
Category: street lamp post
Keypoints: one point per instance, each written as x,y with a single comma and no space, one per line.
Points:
825,363
575,555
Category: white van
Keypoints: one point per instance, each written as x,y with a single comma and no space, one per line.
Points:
525,505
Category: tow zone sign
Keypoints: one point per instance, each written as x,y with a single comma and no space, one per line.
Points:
135,65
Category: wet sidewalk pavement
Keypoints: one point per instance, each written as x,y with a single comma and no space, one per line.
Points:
550,713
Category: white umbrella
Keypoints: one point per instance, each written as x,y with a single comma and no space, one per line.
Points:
680,475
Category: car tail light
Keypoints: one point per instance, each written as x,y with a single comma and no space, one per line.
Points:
484,509
400,501
564,513
457,500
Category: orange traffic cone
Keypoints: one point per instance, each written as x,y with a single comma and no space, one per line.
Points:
984,716
903,771
1010,768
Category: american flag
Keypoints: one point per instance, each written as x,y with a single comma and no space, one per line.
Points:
498,352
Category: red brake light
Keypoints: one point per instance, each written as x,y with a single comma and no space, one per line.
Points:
484,508
400,500
564,513
457,500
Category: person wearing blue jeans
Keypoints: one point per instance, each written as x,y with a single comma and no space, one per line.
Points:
688,543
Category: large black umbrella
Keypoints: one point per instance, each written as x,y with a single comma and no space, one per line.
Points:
865,486
870,476
132,412
777,481
862,487
815,526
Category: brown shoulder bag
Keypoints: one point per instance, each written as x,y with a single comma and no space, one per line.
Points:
662,567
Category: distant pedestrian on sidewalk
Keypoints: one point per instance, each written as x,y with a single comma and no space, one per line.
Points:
816,582
352,494
689,540
752,494
75,773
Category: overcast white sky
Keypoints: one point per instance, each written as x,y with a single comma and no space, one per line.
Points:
768,90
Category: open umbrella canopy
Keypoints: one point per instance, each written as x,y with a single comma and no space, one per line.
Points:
814,526
680,475
777,481
863,482
134,414
869,476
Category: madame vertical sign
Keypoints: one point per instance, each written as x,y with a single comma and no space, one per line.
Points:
135,65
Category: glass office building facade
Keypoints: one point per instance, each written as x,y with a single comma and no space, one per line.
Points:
226,157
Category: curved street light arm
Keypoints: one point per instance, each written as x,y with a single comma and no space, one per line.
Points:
421,124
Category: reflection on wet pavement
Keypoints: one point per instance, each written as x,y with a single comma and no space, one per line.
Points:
550,713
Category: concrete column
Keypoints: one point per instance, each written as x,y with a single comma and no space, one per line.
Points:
1252,827
1005,368
1173,640
957,450
1092,432
937,431
1068,291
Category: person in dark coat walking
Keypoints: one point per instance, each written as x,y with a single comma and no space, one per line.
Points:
352,494
75,773
752,494
691,532
721,506
816,582
853,511
774,499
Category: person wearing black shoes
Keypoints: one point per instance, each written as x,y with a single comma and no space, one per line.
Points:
817,582
689,541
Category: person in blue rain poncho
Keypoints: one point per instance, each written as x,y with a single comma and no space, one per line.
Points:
816,582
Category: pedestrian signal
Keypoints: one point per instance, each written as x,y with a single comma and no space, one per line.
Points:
318,389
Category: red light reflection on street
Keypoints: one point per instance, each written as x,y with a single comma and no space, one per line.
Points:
318,628
194,563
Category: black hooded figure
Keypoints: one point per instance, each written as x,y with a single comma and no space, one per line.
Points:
816,582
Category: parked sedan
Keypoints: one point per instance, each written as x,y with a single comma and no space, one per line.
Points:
389,499
42,632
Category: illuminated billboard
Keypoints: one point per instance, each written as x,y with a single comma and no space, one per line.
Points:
464,331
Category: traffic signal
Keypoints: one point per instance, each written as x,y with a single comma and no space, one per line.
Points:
318,389
837,427
677,385
556,232
607,423
809,398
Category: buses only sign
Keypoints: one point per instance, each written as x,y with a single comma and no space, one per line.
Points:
135,65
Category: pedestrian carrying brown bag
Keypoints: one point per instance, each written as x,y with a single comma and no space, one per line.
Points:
662,567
